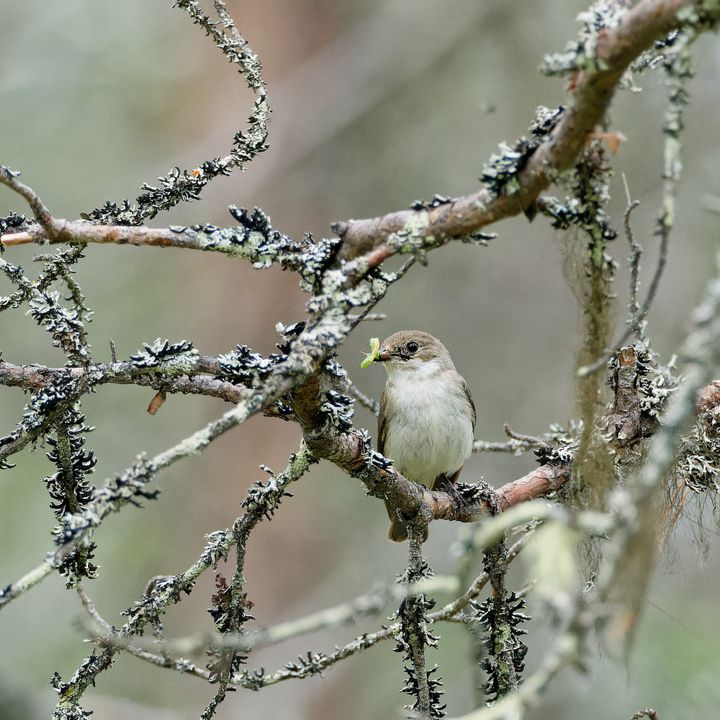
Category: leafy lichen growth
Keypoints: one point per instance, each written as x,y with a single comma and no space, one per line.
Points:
500,619
12,222
500,173
699,465
413,634
581,53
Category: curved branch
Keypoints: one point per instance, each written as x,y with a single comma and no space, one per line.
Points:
377,238
593,89
350,452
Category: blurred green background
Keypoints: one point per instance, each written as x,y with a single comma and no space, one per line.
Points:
375,104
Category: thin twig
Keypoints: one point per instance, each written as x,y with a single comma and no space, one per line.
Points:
517,444
370,403
167,653
369,317
634,320
40,211
89,606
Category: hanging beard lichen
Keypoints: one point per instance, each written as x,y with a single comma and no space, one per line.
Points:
589,271
592,475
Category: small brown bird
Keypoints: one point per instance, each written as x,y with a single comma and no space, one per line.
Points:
427,416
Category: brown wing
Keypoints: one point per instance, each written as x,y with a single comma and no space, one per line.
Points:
445,482
397,532
383,419
470,402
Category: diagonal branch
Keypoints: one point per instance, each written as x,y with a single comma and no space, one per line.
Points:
592,93
431,226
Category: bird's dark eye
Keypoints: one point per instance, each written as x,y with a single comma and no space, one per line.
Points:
412,346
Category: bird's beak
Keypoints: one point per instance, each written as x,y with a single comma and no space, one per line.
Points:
382,356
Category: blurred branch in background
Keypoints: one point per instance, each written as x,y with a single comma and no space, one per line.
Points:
600,479
344,81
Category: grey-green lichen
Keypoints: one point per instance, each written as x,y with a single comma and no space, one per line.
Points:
500,620
655,384
69,489
175,358
581,53
699,465
186,185
500,174
414,235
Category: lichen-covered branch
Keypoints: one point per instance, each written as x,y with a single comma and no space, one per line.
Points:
262,501
594,81
190,378
555,149
186,185
617,455
700,352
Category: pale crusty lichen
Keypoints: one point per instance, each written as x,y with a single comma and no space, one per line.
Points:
581,53
414,236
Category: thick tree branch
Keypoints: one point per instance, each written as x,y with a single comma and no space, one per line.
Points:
592,92
409,230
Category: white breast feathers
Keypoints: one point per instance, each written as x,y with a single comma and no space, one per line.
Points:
430,430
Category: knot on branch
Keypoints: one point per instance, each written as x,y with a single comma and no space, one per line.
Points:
641,389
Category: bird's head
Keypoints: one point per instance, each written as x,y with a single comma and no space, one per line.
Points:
413,351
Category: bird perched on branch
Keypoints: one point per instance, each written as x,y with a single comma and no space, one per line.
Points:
427,415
